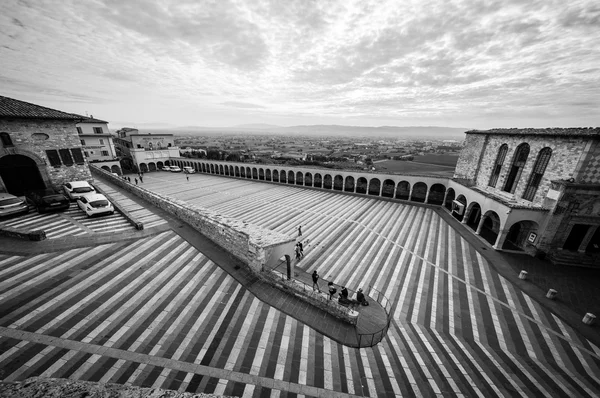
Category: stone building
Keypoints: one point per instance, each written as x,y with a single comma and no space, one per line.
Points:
536,190
39,147
97,143
145,152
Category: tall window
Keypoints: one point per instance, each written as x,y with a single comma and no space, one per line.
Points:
6,140
514,174
53,157
77,155
104,153
498,165
101,141
65,156
79,130
537,173
82,142
97,130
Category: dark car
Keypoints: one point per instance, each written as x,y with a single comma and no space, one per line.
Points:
48,200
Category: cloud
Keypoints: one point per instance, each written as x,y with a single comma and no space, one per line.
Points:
236,104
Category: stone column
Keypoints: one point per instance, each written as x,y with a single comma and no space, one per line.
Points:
500,239
587,238
427,195
480,225
410,193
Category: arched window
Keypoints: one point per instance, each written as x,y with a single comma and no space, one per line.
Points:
6,140
537,173
498,165
516,169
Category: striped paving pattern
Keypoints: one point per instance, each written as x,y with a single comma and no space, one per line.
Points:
459,329
71,222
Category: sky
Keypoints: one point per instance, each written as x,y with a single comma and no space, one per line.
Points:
472,64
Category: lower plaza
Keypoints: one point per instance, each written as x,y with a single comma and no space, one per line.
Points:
151,309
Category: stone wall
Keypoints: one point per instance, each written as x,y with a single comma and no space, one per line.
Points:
470,155
590,170
32,138
251,244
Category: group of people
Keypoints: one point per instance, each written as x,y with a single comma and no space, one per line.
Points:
140,176
343,295
299,251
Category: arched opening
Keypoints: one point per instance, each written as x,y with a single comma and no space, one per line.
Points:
308,180
204,168
212,169
105,168
254,173
167,163
237,171
436,194
518,164
374,186
328,182
221,170
473,215
299,178
261,174
197,167
116,169
349,185
226,170
143,168
491,227
403,190
268,174
519,233
248,172
361,185
283,177
419,192
338,183
290,177
576,236
459,211
275,176
243,172
152,166
387,191
159,164
318,181
450,195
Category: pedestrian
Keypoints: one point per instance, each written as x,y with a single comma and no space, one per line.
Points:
344,293
142,174
332,289
300,230
187,177
298,252
141,179
360,297
301,249
315,278
135,181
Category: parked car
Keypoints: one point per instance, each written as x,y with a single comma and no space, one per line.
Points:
94,204
47,200
75,189
10,204
175,169
189,170
166,168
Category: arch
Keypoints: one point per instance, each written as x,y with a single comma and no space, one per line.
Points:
275,176
459,215
349,184
105,168
436,194
290,177
248,172
387,190
254,173
116,169
167,163
473,215
361,185
308,180
516,169
220,169
237,171
152,166
261,174
327,181
203,165
212,168
498,165
197,167
419,192
537,173
403,190
268,174
516,239
490,227
243,172
299,178
143,168
318,183
283,177
20,173
159,164
226,170
338,182
374,186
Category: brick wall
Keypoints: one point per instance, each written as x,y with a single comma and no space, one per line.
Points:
470,155
34,137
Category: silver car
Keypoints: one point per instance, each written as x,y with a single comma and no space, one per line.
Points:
10,204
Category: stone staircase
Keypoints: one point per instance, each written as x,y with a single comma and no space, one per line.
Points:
563,257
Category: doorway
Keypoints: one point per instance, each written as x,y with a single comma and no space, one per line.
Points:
575,237
20,174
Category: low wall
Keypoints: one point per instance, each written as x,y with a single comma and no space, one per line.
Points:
137,224
253,245
22,233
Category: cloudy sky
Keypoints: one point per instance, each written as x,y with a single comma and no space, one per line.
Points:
474,64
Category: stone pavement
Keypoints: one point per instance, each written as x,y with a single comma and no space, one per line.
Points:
158,312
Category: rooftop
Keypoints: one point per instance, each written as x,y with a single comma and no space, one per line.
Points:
555,131
12,108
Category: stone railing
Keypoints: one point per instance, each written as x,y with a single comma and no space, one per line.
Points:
23,233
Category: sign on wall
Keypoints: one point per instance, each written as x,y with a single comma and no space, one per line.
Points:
531,238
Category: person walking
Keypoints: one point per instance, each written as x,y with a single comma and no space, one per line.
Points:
187,177
332,290
298,252
301,249
135,181
141,178
300,230
315,278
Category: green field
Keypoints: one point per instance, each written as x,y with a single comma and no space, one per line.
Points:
412,167
432,158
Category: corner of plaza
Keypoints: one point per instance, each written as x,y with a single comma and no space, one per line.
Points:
483,284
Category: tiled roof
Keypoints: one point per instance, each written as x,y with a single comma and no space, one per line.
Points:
86,119
12,108
556,131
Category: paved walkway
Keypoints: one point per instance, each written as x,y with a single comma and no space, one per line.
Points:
459,327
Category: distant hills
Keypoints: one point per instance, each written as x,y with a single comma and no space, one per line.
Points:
329,131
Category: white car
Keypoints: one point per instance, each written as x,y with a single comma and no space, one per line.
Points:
189,170
10,204
76,189
175,169
166,168
94,203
